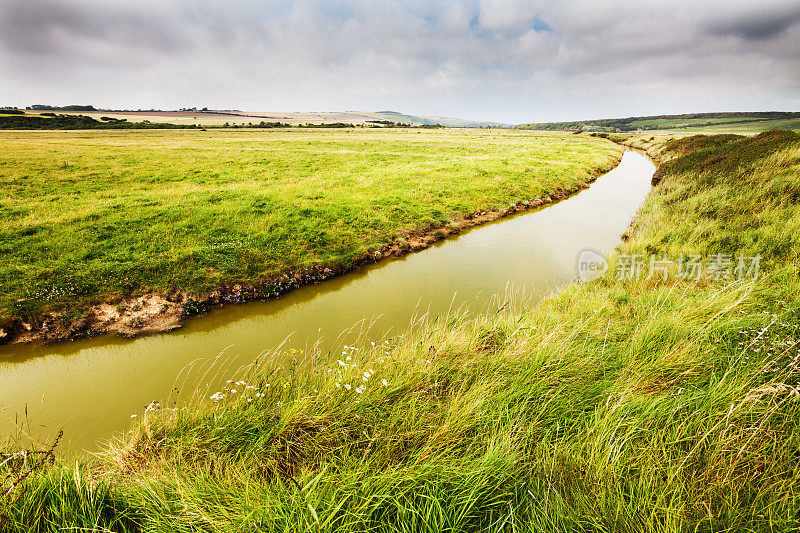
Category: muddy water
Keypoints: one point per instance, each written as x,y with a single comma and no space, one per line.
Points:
90,388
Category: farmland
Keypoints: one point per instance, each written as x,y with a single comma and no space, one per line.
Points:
191,118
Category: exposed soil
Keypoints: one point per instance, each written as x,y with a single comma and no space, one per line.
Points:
156,312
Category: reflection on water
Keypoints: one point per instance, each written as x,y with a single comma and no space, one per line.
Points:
91,387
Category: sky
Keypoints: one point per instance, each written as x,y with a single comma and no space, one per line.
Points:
510,61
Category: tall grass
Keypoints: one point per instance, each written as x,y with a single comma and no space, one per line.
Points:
612,406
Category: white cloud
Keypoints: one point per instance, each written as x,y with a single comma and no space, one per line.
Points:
507,60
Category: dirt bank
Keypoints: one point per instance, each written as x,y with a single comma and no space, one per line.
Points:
155,312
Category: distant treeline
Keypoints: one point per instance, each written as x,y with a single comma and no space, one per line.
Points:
328,125
629,123
42,107
14,119
51,121
388,124
369,124
261,124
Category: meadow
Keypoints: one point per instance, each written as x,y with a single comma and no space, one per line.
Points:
617,405
741,125
738,122
93,216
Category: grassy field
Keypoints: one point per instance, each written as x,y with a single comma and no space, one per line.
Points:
690,123
730,125
87,216
617,405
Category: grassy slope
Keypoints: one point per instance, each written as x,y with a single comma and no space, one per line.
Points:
613,406
85,216
694,123
755,126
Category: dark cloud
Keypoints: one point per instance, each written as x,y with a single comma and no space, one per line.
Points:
766,22
508,60
49,28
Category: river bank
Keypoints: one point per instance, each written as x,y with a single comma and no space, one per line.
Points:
89,387
198,224
636,403
156,312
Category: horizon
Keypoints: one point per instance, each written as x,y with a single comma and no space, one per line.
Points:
356,111
505,61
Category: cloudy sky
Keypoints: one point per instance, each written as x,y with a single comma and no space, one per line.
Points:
503,60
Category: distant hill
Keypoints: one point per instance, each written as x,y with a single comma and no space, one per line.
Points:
213,117
362,117
704,122
42,117
416,120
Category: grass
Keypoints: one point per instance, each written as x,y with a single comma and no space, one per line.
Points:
748,126
739,122
96,215
617,405
725,124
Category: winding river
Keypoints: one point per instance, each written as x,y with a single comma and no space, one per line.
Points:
90,388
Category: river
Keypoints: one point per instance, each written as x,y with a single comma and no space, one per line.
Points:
89,388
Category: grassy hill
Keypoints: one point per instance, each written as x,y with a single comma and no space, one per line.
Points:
415,120
698,122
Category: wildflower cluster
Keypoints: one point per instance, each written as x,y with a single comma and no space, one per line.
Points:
231,389
778,343
346,368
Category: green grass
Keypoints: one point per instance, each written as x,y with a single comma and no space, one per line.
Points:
756,122
719,125
613,406
755,126
89,216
